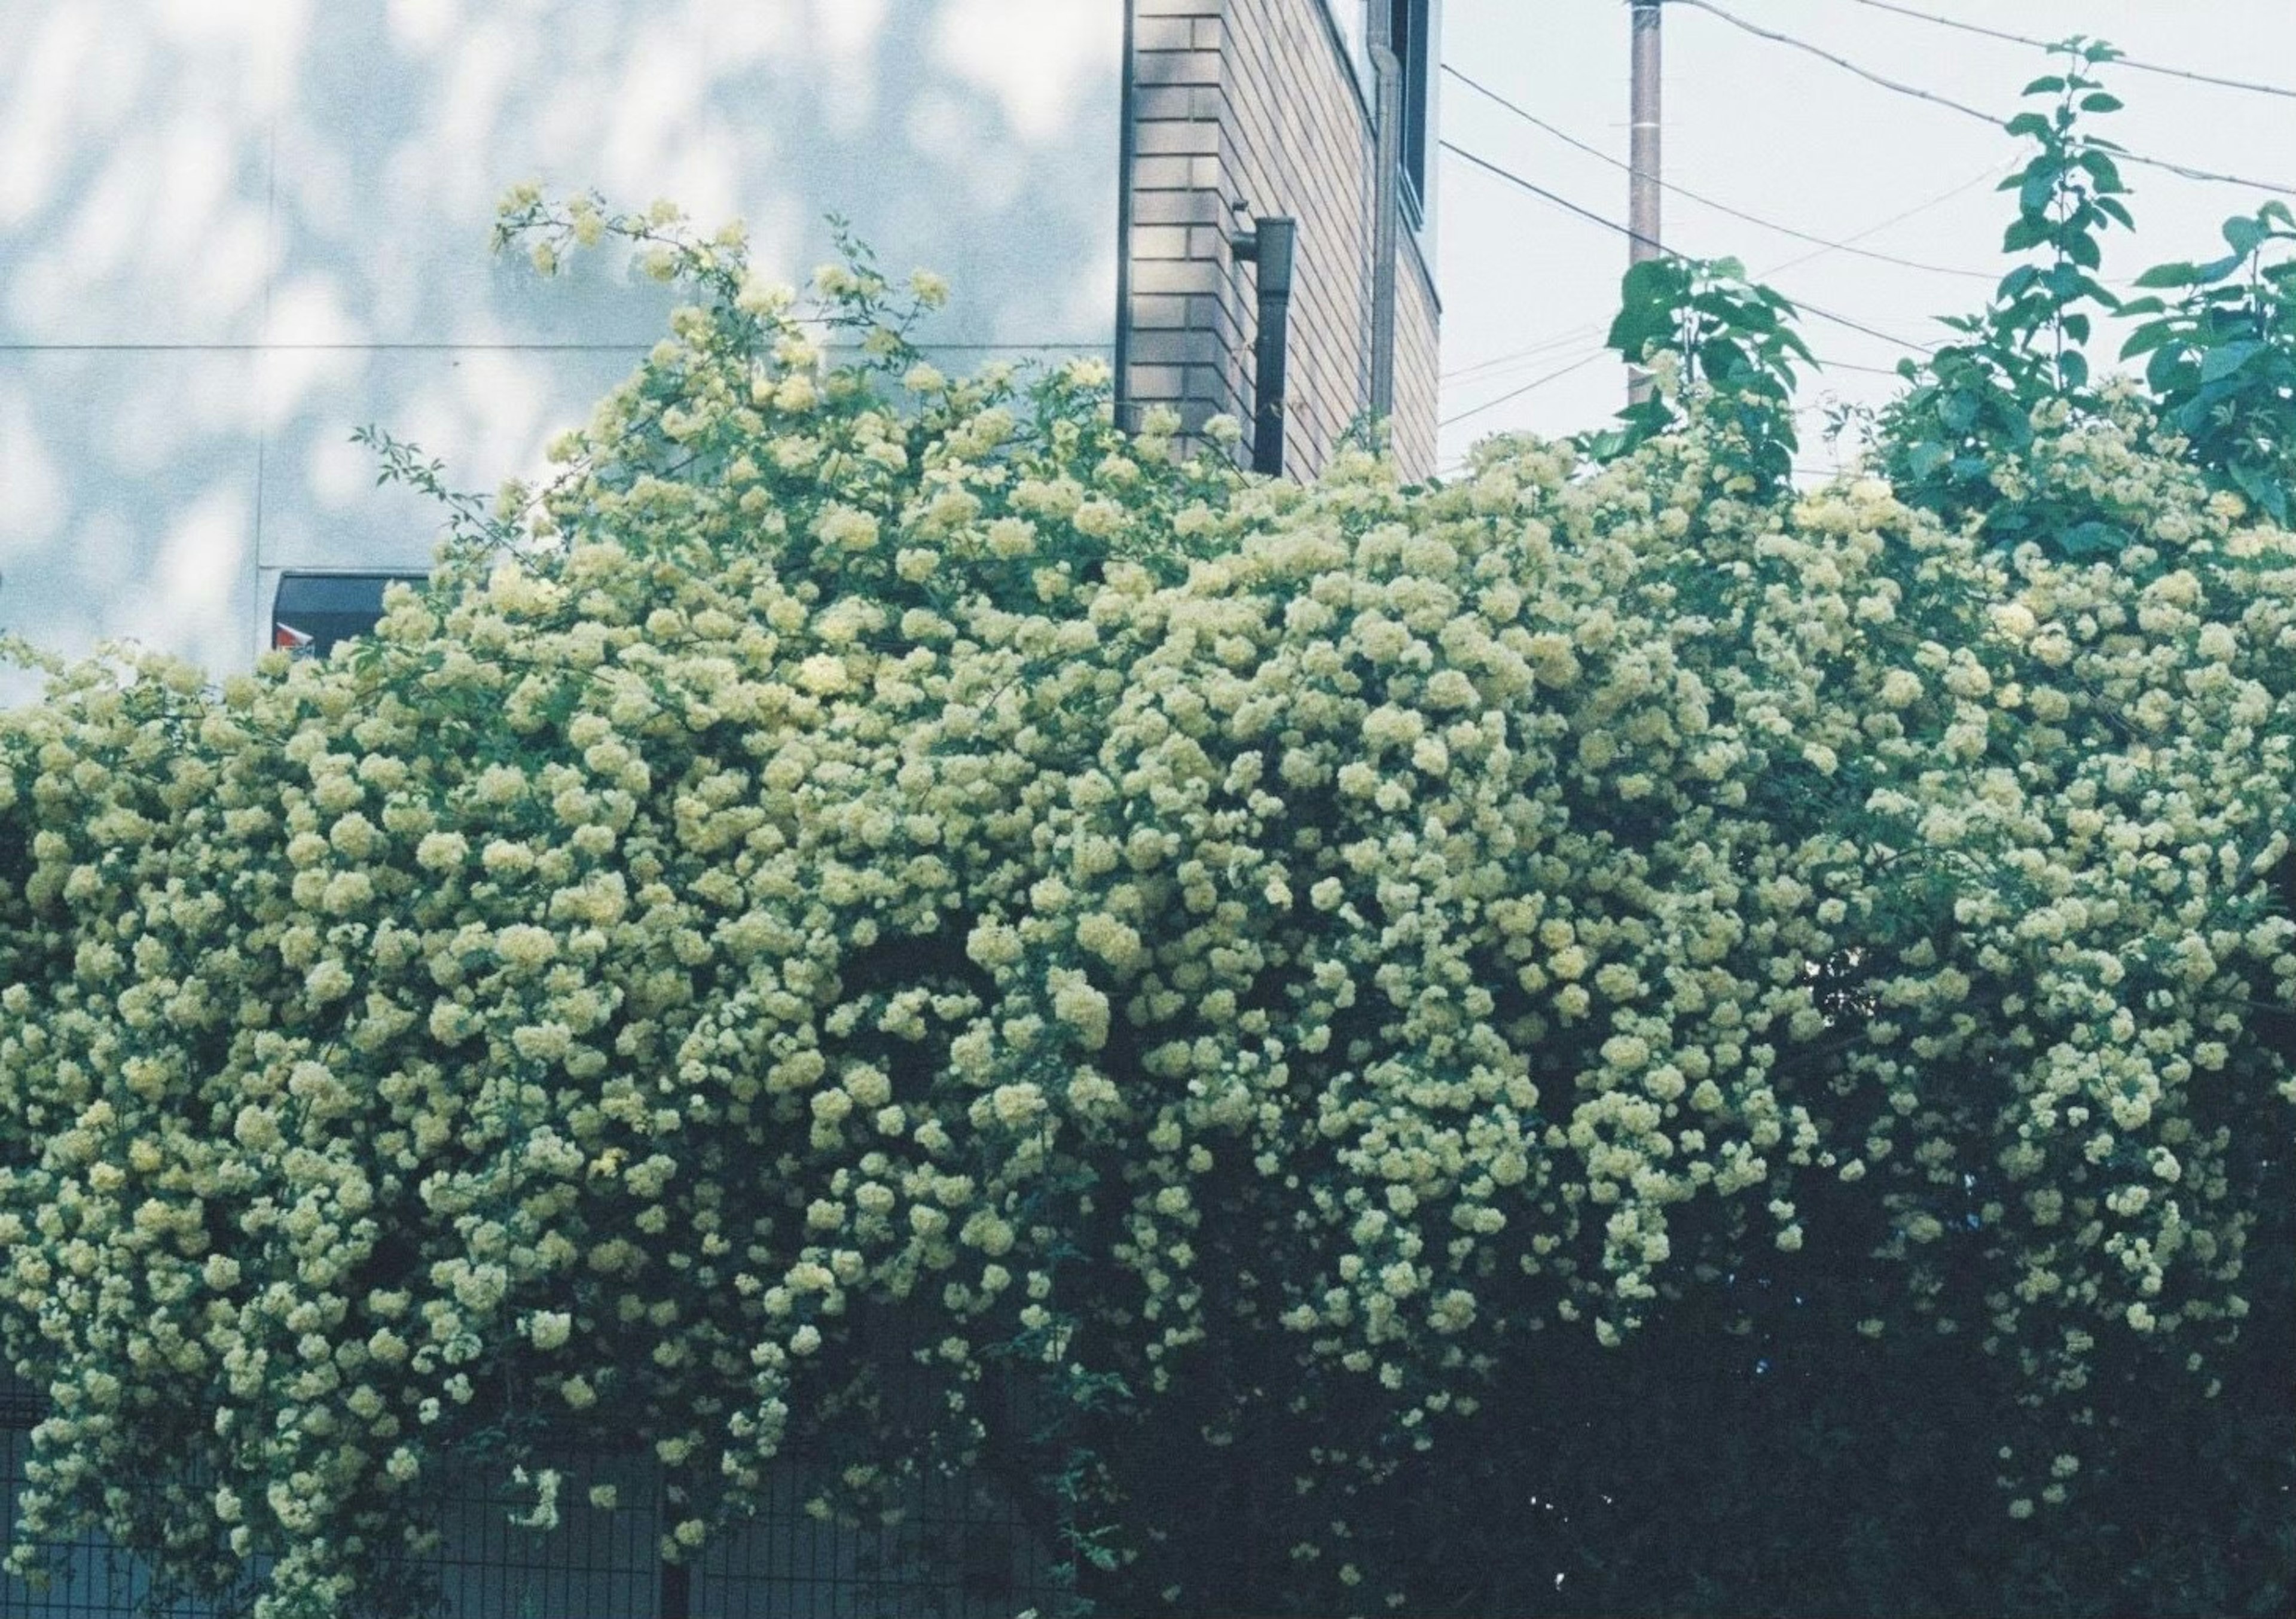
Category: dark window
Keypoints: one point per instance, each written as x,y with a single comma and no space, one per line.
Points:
1408,29
314,611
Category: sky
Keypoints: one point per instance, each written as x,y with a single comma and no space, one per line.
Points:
1528,288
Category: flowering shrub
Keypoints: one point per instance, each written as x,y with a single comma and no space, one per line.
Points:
852,888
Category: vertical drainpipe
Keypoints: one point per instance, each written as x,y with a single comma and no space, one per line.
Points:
1127,144
1387,204
1268,244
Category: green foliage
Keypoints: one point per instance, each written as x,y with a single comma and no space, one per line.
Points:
1971,405
1711,330
2221,360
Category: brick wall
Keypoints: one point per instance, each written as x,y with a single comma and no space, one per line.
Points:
1244,108
1418,365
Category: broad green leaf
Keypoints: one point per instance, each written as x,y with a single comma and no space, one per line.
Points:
2117,210
2176,275
2245,235
2049,84
2223,361
2217,269
2167,369
2100,101
2146,338
1722,361
2028,232
2103,169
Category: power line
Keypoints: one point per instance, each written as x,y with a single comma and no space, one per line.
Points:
1998,171
2119,61
1995,172
1476,410
1547,345
2185,170
1564,203
1723,208
1964,108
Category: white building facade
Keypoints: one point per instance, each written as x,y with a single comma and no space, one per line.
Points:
232,231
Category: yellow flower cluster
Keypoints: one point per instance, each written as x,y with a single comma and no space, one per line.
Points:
831,895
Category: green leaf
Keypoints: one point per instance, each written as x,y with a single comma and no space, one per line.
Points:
1638,326
2091,538
2100,101
2148,337
2256,482
2072,368
2102,168
2033,197
2028,232
2217,269
1924,458
2049,84
2082,249
2245,235
2023,123
2119,211
1721,361
2165,371
2175,274
2221,362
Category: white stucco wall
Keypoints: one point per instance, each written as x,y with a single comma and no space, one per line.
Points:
231,230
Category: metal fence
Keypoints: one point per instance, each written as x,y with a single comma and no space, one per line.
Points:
957,1551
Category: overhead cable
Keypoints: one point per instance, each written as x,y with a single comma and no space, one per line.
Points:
2183,169
2139,65
1564,203
1546,345
1476,410
1504,361
1682,191
1995,172
1844,62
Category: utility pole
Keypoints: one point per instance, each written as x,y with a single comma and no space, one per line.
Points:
1643,160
